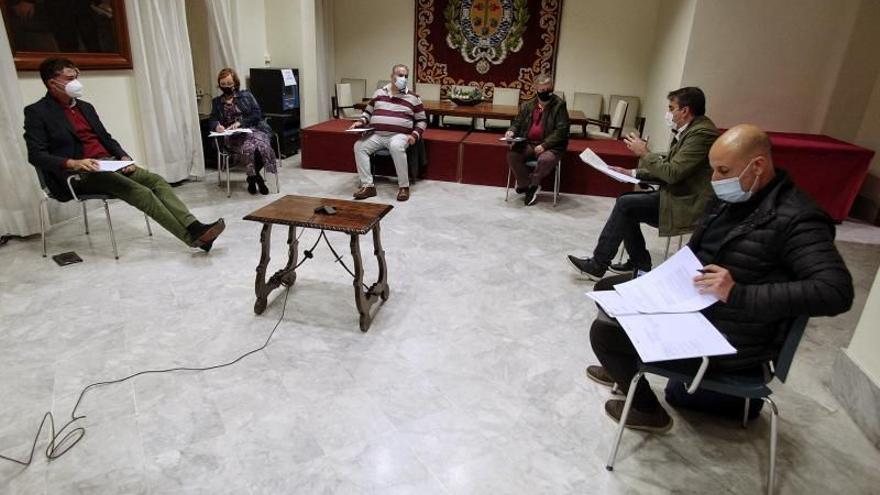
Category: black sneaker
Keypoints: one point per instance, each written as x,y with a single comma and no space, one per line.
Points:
627,267
521,190
587,267
532,195
658,421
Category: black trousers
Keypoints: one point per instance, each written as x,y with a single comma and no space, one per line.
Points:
623,225
620,359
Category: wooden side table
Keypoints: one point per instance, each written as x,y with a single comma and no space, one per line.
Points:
353,218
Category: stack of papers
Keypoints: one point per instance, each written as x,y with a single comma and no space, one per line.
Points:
592,159
360,129
512,139
659,312
113,165
229,132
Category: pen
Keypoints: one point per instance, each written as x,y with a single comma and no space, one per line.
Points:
703,271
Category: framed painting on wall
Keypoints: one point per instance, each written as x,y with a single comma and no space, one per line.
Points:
92,33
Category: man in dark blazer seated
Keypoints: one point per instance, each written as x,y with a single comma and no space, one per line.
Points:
66,138
769,256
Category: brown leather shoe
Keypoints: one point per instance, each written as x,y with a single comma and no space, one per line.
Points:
658,421
365,192
599,375
403,194
210,233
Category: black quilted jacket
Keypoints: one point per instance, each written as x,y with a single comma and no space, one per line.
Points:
784,262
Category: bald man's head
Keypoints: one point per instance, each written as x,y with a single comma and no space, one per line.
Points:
743,151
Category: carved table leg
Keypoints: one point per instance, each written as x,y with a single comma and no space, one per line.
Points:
260,285
365,299
285,276
360,298
382,283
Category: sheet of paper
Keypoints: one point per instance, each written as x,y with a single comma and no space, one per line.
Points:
512,140
592,159
289,79
359,129
113,165
674,336
229,132
613,303
669,288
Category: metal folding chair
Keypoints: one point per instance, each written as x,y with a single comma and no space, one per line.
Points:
533,164
746,386
224,163
81,199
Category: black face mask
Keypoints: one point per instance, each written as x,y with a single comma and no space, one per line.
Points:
227,90
545,96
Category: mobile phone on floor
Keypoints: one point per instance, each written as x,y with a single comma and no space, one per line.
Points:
67,258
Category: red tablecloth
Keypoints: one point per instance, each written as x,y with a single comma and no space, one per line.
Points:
829,170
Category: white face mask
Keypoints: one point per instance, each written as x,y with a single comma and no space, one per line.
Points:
669,120
400,82
74,89
730,189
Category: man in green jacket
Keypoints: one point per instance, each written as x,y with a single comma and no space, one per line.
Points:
543,122
684,177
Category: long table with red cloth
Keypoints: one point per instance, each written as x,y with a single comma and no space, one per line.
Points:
829,170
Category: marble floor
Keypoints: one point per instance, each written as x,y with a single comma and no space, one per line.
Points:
471,379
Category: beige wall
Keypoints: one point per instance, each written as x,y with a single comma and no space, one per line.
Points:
606,47
251,34
772,63
370,37
113,95
674,23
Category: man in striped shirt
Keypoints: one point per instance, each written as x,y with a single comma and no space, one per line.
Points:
398,120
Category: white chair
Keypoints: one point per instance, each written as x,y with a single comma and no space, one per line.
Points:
560,94
381,83
502,96
533,164
343,104
358,88
608,130
633,103
590,104
81,199
458,121
428,91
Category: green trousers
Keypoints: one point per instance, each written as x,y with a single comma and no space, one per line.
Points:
145,191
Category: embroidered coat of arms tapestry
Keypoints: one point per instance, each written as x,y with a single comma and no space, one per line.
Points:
486,43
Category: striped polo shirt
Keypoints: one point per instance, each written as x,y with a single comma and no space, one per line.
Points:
400,113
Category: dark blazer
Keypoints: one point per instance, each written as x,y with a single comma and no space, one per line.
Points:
554,120
784,262
51,141
251,114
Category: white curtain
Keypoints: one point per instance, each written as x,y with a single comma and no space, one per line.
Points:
326,68
222,36
165,88
20,192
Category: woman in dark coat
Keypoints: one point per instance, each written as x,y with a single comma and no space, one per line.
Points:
237,108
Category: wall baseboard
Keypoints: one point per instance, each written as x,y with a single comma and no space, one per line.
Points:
858,394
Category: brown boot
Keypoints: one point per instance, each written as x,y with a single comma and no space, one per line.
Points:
403,194
658,421
365,192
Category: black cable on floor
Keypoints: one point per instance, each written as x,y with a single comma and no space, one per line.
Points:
62,441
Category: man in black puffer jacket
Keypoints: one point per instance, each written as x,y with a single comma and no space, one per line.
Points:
769,256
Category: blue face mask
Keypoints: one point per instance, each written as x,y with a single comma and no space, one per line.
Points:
400,82
730,189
